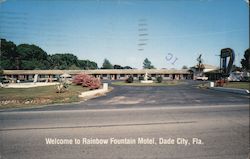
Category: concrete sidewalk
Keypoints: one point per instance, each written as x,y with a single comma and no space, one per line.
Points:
231,90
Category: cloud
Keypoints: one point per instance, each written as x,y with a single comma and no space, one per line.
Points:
2,1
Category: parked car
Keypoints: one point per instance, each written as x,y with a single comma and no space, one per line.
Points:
4,80
203,78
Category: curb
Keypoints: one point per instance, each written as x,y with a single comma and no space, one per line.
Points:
93,93
231,90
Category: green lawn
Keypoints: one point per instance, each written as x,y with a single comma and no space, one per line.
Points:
242,85
23,97
137,83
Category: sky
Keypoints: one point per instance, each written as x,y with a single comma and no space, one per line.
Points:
170,33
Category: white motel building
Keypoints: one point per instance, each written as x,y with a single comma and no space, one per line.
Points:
106,74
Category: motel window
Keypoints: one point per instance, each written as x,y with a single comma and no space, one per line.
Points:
166,75
42,76
135,75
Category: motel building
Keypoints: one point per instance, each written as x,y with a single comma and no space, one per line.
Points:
105,74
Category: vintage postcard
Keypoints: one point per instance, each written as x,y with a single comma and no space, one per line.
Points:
124,79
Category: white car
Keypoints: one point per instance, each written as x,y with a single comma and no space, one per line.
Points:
204,78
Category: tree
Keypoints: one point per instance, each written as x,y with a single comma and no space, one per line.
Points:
9,55
121,67
147,64
92,65
26,56
245,62
73,67
118,67
87,65
184,67
236,68
107,65
63,61
32,57
127,67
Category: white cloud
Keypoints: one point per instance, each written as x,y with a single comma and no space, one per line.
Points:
2,1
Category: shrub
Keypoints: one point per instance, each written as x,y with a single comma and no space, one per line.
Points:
159,79
130,79
87,81
93,83
246,79
141,78
80,79
62,87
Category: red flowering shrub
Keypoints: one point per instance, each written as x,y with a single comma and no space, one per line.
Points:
87,81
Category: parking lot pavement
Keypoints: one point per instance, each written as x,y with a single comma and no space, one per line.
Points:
186,94
179,95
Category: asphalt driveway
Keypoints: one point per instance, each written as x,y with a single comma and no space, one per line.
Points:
186,94
179,95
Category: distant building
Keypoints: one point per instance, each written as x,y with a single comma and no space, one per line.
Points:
206,70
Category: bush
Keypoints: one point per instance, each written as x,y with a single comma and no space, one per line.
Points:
87,81
246,79
62,87
159,79
141,78
130,79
